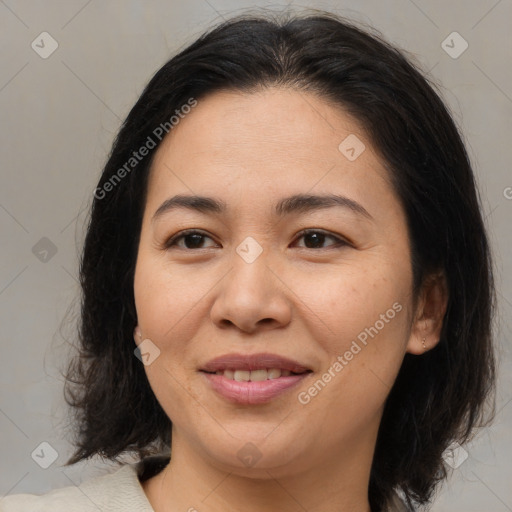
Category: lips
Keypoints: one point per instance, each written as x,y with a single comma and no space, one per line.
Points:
253,379
253,362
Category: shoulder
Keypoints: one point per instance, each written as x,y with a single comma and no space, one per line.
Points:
120,490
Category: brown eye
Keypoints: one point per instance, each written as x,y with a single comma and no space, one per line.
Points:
192,239
314,239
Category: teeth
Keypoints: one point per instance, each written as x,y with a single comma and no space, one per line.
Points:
254,375
242,375
258,375
274,373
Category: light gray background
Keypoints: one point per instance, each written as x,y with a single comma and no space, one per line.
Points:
59,117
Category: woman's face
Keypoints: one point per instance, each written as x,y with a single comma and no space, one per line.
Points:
255,291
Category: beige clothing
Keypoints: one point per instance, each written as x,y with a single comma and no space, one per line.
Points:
119,491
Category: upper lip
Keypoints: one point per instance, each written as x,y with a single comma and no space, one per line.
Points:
252,362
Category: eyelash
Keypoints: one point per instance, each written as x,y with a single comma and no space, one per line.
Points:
340,241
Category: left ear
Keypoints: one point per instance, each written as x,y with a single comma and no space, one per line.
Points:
430,311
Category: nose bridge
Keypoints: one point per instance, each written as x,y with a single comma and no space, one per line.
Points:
250,293
249,274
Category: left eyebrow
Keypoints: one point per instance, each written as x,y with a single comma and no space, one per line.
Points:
302,203
298,203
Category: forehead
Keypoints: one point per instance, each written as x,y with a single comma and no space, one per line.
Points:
264,142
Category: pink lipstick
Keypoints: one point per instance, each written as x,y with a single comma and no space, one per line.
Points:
254,378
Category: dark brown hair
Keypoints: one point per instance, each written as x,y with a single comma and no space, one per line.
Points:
438,397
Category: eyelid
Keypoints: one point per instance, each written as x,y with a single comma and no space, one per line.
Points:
339,239
168,243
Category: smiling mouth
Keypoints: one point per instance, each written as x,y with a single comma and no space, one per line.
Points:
250,379
257,375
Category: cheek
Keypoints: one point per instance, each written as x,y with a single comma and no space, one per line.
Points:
162,297
353,301
362,363
166,311
171,306
367,312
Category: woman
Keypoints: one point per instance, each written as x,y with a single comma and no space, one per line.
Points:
286,280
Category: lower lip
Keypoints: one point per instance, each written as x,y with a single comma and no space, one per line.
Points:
250,393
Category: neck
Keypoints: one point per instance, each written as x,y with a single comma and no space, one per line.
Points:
193,483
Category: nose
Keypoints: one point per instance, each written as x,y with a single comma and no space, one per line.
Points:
252,297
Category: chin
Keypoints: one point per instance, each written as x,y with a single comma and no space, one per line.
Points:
249,453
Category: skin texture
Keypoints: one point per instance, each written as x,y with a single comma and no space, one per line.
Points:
298,299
